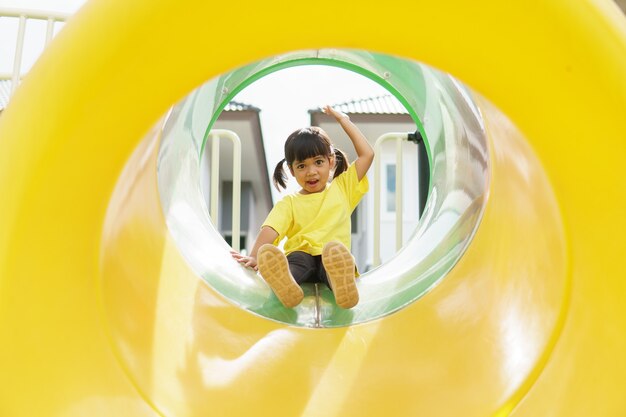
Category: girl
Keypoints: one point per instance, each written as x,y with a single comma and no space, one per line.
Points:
315,220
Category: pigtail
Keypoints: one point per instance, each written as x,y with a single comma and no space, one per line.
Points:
280,179
341,162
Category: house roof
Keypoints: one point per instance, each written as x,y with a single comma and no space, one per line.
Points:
5,93
385,104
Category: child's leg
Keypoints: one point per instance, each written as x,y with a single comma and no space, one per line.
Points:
274,269
303,267
339,265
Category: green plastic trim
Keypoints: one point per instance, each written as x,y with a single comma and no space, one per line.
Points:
318,61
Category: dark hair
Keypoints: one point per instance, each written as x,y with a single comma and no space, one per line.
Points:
307,143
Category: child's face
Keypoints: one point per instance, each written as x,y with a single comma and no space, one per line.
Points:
312,174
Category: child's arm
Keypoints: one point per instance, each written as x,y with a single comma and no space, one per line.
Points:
266,235
364,151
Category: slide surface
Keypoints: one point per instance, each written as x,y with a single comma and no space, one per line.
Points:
101,314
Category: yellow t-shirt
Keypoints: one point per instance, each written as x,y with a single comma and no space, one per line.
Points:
311,220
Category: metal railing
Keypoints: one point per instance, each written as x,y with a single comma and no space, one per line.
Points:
400,138
215,135
23,16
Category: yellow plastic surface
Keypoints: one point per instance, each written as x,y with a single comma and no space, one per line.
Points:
100,316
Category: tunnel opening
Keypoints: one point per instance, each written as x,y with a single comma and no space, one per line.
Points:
455,148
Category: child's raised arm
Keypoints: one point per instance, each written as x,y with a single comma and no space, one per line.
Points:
364,151
266,235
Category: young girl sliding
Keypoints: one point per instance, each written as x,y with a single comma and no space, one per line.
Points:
315,220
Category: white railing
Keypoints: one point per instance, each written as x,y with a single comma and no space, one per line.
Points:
23,16
400,138
215,136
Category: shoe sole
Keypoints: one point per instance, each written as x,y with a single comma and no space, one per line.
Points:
339,265
274,269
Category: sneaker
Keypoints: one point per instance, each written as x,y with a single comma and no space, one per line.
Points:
339,265
274,269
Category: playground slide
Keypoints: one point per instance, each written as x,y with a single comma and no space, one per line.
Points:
102,311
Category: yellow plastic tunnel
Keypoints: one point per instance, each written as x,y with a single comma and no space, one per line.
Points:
509,300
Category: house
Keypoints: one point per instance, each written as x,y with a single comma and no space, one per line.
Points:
375,117
256,197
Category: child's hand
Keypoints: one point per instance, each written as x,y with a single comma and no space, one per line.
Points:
247,261
329,110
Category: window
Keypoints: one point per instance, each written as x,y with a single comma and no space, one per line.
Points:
391,187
